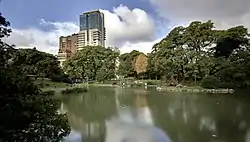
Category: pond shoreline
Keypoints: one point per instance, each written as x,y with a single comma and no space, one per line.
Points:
188,89
176,89
195,90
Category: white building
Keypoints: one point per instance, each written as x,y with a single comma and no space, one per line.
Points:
92,31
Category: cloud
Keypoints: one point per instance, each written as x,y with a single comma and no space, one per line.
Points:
225,13
144,47
46,41
124,25
126,29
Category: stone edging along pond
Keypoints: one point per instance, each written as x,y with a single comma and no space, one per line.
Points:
195,90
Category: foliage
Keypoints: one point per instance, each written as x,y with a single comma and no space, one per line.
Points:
141,63
73,90
132,64
92,63
43,83
34,62
61,78
210,82
27,113
151,83
190,54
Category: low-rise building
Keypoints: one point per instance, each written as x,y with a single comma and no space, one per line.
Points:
67,47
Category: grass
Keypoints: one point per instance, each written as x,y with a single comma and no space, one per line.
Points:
45,83
75,90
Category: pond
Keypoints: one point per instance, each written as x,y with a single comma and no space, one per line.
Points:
145,115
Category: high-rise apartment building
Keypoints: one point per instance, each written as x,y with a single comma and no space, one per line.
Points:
92,31
67,47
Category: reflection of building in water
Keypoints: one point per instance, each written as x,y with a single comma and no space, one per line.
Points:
207,123
120,131
143,111
82,130
139,113
62,109
90,131
134,123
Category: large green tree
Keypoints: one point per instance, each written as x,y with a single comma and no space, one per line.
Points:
127,65
189,54
27,113
93,62
34,62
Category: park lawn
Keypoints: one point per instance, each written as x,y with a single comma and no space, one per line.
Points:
46,83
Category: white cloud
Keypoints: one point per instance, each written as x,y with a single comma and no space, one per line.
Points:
126,28
225,13
124,25
144,47
46,41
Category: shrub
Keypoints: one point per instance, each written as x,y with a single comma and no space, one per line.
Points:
61,78
137,85
27,113
74,90
151,83
210,82
40,85
50,92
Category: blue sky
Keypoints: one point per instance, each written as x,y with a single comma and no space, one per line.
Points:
25,17
26,13
130,24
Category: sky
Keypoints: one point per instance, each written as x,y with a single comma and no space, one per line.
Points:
130,24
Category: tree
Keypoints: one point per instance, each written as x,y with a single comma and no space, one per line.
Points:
141,64
127,64
27,113
231,40
34,62
93,62
190,54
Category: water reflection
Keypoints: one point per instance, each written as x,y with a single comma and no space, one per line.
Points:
138,115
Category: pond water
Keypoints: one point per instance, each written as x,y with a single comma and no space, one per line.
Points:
145,115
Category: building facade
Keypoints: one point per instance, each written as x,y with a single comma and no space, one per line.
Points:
92,31
67,47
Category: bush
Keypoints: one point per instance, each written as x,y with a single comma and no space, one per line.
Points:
151,83
27,113
110,82
50,92
137,85
74,90
61,78
210,82
40,85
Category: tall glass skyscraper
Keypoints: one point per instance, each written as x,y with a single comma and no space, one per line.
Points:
92,30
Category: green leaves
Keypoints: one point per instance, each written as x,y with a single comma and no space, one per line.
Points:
34,62
93,62
27,113
191,53
132,64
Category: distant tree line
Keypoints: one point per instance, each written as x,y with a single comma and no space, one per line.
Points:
195,54
198,54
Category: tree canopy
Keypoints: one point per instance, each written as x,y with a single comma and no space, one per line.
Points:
34,62
93,63
132,64
190,54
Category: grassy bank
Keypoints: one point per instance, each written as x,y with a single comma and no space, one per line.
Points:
59,87
46,83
